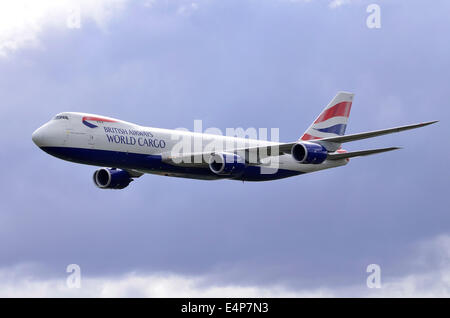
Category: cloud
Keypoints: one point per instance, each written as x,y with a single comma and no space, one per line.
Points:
188,8
17,283
435,282
431,260
23,21
333,3
338,3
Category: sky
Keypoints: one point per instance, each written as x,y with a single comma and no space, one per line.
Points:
247,63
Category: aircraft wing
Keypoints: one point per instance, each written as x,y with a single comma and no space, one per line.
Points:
256,153
329,141
188,159
332,143
251,154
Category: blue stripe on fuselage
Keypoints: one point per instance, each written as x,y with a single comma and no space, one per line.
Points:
154,163
89,124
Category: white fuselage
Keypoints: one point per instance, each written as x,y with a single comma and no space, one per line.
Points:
103,141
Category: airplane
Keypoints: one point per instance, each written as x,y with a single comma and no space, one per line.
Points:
126,151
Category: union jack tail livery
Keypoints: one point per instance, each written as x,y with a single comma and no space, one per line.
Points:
332,121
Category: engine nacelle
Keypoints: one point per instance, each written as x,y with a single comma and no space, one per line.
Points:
309,153
227,164
106,178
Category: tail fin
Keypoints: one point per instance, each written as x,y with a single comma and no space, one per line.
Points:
332,121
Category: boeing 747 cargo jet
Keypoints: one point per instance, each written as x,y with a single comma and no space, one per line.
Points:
128,150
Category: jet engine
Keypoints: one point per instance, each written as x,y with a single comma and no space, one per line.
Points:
309,153
106,178
227,164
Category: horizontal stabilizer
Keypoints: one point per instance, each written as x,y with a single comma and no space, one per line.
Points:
338,156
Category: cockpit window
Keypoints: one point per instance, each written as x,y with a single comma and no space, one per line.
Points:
61,117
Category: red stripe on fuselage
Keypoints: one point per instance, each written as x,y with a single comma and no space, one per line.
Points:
340,109
99,119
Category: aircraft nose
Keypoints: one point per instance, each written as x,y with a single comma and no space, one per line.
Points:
38,136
